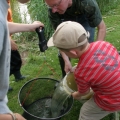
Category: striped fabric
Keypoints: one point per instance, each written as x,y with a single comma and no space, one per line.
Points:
99,68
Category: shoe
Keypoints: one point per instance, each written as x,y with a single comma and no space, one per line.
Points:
10,89
20,78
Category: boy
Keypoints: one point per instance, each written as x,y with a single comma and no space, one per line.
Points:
98,68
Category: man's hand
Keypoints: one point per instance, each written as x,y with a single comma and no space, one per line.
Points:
68,66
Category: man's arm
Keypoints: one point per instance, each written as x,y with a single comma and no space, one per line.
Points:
101,31
92,11
68,66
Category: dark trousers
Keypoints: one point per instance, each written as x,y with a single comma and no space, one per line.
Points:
16,62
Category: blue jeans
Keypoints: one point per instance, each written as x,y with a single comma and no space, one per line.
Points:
84,22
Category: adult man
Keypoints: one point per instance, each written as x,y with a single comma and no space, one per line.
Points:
85,12
5,112
98,68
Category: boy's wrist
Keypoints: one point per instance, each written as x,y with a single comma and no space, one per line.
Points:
13,116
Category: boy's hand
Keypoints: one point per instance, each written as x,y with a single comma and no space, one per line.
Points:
76,95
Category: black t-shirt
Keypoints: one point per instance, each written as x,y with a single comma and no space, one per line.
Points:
87,8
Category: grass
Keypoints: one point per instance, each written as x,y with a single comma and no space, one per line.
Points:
37,64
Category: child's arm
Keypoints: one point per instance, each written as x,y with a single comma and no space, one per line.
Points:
19,27
77,95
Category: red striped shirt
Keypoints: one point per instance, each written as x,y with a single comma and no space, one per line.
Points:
99,68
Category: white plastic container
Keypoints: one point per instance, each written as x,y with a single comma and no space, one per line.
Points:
69,83
70,86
